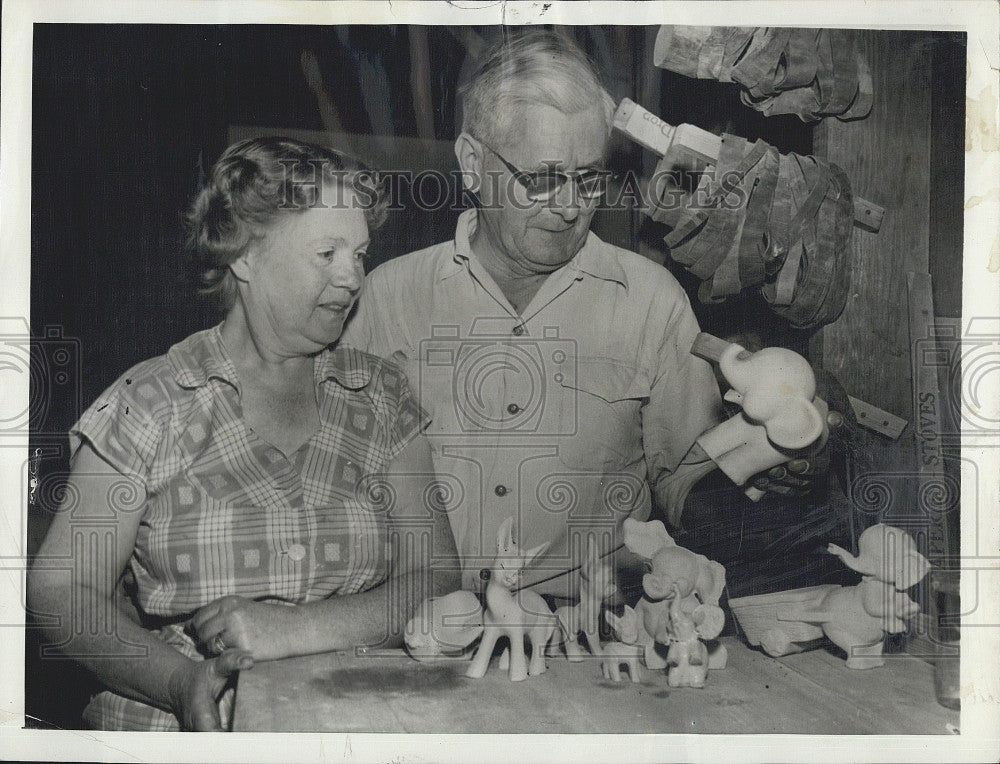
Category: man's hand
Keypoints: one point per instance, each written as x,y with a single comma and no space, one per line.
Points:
195,689
262,630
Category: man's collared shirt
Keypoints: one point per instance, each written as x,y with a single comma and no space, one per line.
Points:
560,417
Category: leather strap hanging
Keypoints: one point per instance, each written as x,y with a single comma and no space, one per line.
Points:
705,229
761,65
743,265
780,223
754,239
809,72
812,287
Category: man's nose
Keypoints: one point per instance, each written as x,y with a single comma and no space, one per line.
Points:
565,202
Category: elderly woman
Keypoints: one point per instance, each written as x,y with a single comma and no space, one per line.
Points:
270,471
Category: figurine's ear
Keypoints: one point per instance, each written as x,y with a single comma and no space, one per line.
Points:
708,620
911,568
711,580
614,621
531,555
505,535
645,539
798,425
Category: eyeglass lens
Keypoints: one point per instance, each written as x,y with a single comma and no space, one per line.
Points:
542,186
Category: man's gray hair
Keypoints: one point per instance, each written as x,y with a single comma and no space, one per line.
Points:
536,67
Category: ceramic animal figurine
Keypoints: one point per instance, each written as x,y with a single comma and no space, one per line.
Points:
687,657
763,619
857,618
443,626
513,614
627,650
596,585
776,388
689,583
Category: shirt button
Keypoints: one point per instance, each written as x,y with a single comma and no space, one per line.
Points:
297,552
518,330
513,408
500,490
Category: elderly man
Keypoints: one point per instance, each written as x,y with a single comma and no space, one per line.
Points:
556,367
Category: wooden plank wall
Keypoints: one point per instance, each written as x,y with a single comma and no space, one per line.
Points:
887,157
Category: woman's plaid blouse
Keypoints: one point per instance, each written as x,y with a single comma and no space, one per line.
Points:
226,512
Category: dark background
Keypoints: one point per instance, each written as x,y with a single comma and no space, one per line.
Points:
128,118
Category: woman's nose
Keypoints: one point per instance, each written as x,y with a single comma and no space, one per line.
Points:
347,272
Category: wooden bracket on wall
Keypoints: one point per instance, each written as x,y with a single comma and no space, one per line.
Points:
648,130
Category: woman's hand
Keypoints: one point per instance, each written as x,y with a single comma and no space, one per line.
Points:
262,630
196,687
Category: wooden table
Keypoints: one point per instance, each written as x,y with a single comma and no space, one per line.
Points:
811,692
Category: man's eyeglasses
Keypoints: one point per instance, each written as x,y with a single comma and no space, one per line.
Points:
542,185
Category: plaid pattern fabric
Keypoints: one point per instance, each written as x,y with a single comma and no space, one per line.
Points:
229,514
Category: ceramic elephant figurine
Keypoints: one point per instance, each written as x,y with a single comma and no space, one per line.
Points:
687,656
888,554
856,618
627,649
680,594
776,388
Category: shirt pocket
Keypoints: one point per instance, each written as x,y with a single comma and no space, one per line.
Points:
600,415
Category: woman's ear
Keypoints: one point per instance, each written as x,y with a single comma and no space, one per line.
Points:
239,268
243,266
469,153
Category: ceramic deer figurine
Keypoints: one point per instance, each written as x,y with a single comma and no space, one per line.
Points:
596,585
627,650
513,614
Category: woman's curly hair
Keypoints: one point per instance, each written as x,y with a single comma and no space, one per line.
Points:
255,183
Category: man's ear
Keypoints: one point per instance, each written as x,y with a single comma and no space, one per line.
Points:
469,153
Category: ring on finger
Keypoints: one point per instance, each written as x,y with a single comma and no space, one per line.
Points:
218,645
